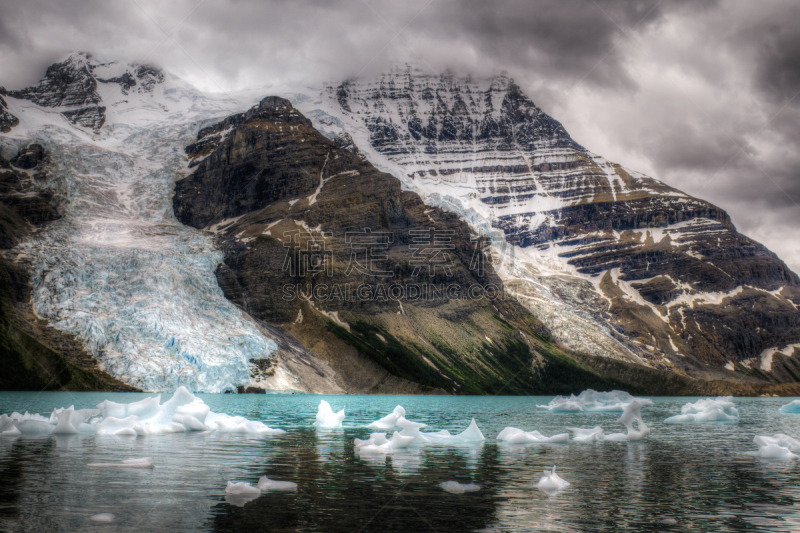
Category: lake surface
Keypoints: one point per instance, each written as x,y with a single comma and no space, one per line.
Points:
698,477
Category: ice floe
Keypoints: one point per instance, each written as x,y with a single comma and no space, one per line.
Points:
587,435
551,483
326,418
517,436
183,412
389,421
720,409
779,447
471,435
590,401
264,483
459,488
143,462
792,408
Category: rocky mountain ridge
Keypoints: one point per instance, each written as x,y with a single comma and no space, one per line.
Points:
614,262
622,280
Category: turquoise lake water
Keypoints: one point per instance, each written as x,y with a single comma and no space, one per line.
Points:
699,477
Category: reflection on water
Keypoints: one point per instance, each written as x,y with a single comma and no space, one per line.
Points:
698,477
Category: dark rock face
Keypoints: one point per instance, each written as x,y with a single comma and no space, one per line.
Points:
68,84
71,84
290,207
668,256
29,157
7,120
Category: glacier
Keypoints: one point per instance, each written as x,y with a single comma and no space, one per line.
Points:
118,270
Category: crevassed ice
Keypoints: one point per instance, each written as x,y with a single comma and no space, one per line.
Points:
119,271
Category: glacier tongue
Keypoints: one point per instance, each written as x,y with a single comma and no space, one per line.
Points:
119,271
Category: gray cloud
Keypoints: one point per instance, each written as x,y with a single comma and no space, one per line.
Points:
696,94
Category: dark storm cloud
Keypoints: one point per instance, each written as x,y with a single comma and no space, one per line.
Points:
699,94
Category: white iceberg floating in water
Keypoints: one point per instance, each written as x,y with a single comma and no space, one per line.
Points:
779,447
513,435
590,401
379,445
631,414
242,488
720,409
551,483
264,483
102,518
389,421
458,488
587,435
326,418
183,412
471,435
144,462
792,408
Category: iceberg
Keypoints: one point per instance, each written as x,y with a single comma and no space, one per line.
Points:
102,518
455,487
587,435
144,462
389,421
378,445
242,488
239,500
551,483
631,414
264,483
470,435
779,447
590,401
183,412
792,408
326,418
720,409
513,435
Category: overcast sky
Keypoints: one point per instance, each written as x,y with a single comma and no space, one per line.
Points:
702,95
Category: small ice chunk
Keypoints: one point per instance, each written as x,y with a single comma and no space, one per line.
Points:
631,414
551,483
373,450
399,441
779,439
587,435
241,488
590,401
389,421
326,418
264,483
239,500
102,518
792,407
720,409
458,488
143,462
470,435
773,452
517,436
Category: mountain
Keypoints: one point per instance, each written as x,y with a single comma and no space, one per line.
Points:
615,263
154,235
